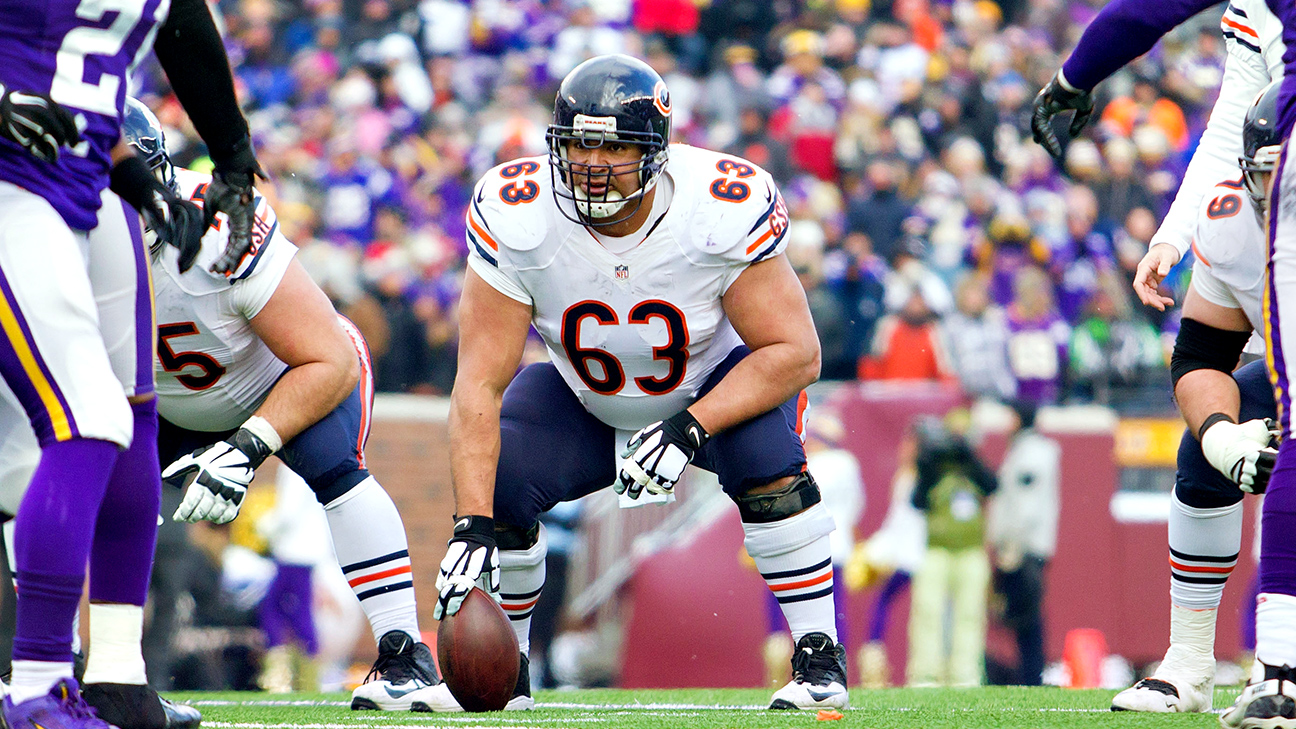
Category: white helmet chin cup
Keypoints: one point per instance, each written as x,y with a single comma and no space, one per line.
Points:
606,207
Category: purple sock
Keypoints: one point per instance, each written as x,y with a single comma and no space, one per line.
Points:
121,558
1278,520
286,608
52,536
880,618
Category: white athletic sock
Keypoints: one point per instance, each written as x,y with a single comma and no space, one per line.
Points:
1275,629
115,634
33,679
1204,545
369,539
795,559
522,577
1192,645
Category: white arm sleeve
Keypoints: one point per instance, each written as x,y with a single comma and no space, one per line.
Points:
1216,158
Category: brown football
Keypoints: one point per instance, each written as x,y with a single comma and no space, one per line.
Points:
478,653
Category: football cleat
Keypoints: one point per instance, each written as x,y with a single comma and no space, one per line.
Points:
441,700
1267,704
133,706
1165,696
404,678
62,708
522,700
818,676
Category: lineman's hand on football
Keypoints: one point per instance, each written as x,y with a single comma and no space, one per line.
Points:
1152,270
36,123
1241,451
217,476
656,456
230,192
472,560
1053,99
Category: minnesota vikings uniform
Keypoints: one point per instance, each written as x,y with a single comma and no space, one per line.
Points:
76,323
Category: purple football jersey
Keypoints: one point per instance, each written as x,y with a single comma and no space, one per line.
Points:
80,53
1285,10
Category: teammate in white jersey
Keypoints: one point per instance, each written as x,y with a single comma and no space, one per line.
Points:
655,275
1229,413
257,362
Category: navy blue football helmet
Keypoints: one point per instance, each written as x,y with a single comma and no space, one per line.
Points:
1261,145
143,132
608,98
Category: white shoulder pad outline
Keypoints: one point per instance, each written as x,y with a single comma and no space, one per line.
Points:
508,208
738,212
1222,208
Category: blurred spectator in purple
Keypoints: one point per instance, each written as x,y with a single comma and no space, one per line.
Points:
1037,339
1084,256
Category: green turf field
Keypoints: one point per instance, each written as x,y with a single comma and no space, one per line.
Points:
991,708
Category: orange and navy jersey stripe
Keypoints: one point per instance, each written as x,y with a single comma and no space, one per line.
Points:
1235,24
479,235
770,229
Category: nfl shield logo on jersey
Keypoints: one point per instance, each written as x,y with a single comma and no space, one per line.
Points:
622,272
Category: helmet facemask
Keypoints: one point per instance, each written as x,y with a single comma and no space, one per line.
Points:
610,207
1256,171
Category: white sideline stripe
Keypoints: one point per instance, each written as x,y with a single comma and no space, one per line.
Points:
369,717
414,408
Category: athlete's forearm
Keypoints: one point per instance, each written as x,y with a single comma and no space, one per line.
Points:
1121,32
306,393
474,447
1201,393
762,381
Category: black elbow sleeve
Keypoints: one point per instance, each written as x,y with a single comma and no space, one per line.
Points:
1200,346
191,52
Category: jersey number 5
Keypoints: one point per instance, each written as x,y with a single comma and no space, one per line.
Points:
675,351
212,370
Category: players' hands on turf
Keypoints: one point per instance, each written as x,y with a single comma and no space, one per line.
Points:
472,560
1241,451
656,456
217,476
36,123
1056,97
1152,270
230,192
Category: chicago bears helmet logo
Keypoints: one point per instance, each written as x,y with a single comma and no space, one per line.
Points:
661,98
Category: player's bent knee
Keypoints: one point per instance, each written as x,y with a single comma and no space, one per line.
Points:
334,492
516,539
796,496
775,538
521,548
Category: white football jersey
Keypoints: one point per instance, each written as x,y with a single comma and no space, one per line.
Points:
1253,39
212,370
1231,253
634,335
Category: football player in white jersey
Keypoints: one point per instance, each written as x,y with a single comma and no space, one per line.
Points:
678,334
255,363
1226,450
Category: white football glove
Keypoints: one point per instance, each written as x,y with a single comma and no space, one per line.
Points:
1241,451
657,455
472,560
217,477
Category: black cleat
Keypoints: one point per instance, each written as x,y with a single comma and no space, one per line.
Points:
522,700
1267,704
134,706
402,679
818,676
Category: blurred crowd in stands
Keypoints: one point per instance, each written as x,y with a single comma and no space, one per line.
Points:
935,240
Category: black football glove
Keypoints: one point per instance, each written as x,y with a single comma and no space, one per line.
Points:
176,222
36,123
230,192
1052,100
472,560
656,456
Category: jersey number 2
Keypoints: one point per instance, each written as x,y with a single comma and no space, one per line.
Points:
69,86
675,351
212,370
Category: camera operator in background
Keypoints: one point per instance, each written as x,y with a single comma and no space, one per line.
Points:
951,492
